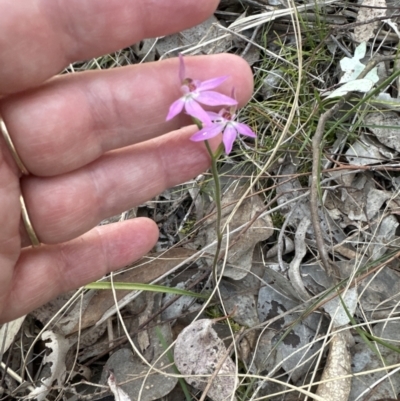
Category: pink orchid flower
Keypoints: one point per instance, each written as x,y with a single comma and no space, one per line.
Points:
223,122
196,92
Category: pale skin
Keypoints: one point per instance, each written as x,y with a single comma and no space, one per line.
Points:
95,143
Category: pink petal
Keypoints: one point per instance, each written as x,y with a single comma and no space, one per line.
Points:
175,108
244,129
211,83
228,138
181,68
211,98
195,110
207,132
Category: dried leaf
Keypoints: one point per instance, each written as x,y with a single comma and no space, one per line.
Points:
242,243
383,236
337,364
296,347
143,335
336,310
181,305
199,351
393,25
279,281
369,10
363,152
237,300
288,247
8,331
119,393
145,50
372,386
272,82
59,347
359,85
207,31
361,202
265,353
386,127
315,278
352,68
131,370
380,296
47,311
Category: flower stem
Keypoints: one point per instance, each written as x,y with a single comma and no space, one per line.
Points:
217,198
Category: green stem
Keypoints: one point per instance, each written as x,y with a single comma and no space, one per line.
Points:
217,198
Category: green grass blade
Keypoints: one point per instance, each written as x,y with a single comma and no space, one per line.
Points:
106,285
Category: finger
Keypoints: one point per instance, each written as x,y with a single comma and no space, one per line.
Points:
45,272
74,119
10,214
40,37
64,207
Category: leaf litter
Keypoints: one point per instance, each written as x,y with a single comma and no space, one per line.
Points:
301,332
199,353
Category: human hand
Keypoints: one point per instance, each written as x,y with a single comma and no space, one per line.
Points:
94,143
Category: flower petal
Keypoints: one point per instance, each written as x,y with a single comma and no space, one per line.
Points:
211,83
195,110
175,108
228,138
244,129
207,132
211,98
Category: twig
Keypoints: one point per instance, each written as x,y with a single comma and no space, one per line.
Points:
249,44
354,24
294,269
374,167
281,237
15,376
